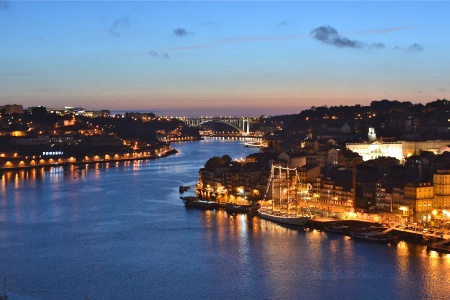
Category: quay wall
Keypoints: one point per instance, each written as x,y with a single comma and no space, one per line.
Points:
14,163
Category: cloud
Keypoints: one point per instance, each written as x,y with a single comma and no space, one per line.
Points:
413,48
378,31
181,32
330,36
441,89
158,54
285,23
377,46
238,40
4,5
118,26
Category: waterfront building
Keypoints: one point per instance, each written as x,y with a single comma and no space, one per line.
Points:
400,206
420,197
441,181
366,197
334,189
383,196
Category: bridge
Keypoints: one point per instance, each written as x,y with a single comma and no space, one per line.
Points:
242,124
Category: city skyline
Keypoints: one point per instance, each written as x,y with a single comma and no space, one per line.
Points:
222,58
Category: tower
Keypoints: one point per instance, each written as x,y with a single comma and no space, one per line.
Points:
371,135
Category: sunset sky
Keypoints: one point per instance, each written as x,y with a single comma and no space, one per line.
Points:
222,58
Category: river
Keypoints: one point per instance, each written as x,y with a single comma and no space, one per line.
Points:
120,231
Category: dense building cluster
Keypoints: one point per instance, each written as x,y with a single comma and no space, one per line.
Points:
38,136
390,157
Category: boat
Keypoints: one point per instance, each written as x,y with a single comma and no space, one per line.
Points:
284,200
375,236
194,202
183,189
288,219
258,144
441,247
235,209
340,229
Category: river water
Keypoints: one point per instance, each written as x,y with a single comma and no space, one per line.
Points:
120,231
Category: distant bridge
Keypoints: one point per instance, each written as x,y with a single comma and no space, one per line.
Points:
242,124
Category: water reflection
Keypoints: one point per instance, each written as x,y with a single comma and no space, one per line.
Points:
119,230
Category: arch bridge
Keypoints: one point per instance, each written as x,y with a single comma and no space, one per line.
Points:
241,124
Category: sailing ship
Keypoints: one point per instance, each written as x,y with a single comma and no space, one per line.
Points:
284,186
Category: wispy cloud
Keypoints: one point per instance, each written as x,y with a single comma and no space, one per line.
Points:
332,33
158,54
377,46
413,48
377,31
117,27
4,5
285,23
238,40
181,32
330,36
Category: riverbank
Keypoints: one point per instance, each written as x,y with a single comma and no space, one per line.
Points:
354,224
7,165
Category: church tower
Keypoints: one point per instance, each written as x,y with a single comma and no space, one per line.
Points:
371,135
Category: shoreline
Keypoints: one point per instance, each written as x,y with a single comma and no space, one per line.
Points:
167,153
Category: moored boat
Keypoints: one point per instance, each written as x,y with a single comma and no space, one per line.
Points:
441,247
375,236
288,219
183,189
194,202
340,229
284,208
231,209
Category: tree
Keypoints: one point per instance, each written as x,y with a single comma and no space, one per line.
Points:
216,161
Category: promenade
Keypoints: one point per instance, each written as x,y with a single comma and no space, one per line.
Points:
15,163
382,218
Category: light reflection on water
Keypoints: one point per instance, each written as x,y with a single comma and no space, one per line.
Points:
119,230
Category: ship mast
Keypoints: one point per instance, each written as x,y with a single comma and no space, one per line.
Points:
279,187
288,181
272,176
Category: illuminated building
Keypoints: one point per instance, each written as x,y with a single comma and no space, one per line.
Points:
399,150
441,181
421,197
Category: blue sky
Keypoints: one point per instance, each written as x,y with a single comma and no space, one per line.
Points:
222,58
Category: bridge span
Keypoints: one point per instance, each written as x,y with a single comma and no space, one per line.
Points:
242,124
